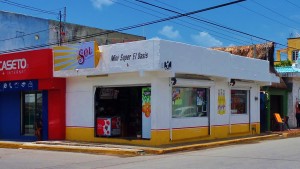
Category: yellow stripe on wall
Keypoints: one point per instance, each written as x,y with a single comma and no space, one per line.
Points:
189,133
56,68
56,61
56,54
162,137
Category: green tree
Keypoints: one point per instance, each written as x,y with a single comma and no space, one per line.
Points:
284,63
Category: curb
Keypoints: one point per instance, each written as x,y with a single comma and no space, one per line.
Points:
134,152
292,134
207,145
80,149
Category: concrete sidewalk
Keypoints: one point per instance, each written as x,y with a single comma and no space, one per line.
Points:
129,150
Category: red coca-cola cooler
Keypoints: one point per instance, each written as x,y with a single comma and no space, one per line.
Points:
108,126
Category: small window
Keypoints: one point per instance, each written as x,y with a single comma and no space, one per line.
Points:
295,55
239,101
190,102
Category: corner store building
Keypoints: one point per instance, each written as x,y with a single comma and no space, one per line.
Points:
200,77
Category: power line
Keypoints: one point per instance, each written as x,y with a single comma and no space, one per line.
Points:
193,28
28,7
273,11
235,30
212,23
292,3
267,17
28,34
128,27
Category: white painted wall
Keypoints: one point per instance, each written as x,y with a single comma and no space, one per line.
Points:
80,100
198,60
80,95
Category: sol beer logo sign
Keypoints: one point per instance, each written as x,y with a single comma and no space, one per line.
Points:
16,64
76,56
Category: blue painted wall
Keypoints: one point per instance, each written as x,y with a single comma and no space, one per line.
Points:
10,117
15,28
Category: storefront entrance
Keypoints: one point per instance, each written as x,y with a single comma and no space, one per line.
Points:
275,107
32,110
118,111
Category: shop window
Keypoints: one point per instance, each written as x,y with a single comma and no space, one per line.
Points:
239,101
32,106
190,102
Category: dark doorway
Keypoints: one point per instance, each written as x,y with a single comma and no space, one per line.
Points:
263,112
123,104
275,107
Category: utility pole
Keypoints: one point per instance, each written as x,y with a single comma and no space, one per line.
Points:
65,14
60,29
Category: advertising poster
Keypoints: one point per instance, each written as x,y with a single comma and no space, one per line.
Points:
115,126
176,98
76,56
103,126
146,112
221,102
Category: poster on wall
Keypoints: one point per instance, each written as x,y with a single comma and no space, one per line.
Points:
176,97
146,112
221,102
76,56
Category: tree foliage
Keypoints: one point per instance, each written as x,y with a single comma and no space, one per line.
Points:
284,63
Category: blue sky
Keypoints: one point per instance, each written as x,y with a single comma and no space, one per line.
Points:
275,20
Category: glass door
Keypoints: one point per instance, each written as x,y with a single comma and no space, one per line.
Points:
31,112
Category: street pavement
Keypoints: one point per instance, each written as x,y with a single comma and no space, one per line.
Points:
266,154
130,150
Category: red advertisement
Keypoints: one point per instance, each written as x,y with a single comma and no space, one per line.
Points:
36,64
115,122
108,126
103,126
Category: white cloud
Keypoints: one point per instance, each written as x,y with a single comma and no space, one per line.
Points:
169,32
99,4
206,40
155,38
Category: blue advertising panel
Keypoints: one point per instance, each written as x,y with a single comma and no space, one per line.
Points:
20,85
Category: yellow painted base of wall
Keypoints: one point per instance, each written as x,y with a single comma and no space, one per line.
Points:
162,137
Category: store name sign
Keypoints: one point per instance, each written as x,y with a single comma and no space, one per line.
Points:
127,57
76,56
16,64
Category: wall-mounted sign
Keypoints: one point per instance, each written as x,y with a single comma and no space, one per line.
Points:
36,64
76,56
20,85
167,65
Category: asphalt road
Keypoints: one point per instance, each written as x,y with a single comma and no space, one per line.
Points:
273,154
